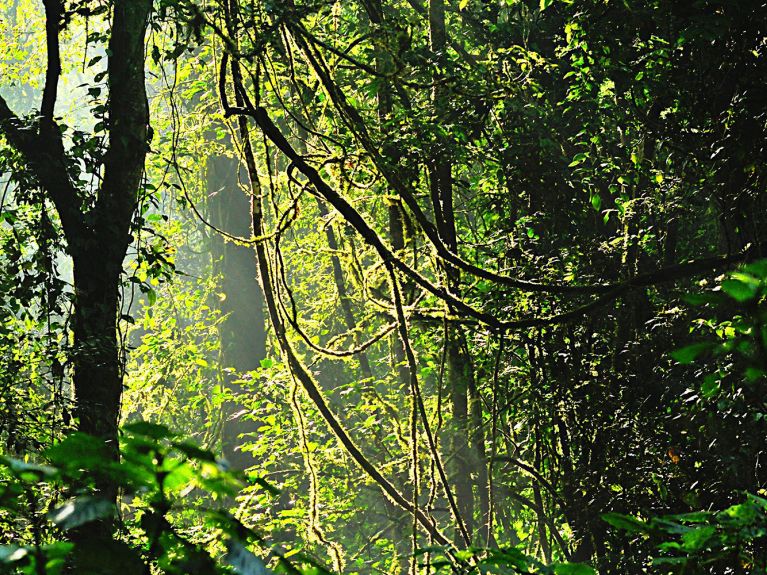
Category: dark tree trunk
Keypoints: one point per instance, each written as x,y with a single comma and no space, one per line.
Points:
99,252
98,377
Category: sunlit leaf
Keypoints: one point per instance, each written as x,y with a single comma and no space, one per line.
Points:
739,290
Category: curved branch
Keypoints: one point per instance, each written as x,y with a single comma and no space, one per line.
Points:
354,123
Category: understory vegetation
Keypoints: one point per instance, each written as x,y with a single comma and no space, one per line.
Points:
383,286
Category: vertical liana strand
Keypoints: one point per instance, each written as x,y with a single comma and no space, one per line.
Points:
314,527
397,297
489,538
410,355
265,123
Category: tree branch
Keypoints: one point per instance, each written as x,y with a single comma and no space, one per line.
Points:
295,364
48,163
53,10
128,124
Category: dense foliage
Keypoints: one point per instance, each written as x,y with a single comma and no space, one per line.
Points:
421,287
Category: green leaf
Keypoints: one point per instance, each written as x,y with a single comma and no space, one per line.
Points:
578,159
194,452
505,558
757,269
179,478
757,501
740,515
754,373
740,290
625,522
573,569
688,353
667,526
147,429
697,539
703,298
692,517
545,4
80,511
710,386
79,451
58,551
462,5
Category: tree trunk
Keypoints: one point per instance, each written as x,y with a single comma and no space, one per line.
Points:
96,360
243,330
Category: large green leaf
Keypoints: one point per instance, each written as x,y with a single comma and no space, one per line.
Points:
689,353
79,451
80,511
625,522
697,539
741,288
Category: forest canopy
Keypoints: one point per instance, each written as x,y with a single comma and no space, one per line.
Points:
383,286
